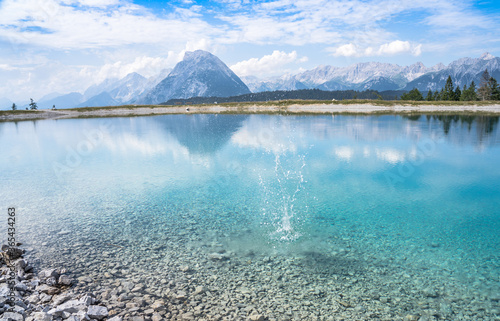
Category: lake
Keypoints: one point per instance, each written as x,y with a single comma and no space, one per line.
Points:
292,217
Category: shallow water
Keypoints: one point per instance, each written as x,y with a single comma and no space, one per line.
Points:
398,217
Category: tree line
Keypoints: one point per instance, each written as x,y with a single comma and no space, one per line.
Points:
32,105
488,90
306,94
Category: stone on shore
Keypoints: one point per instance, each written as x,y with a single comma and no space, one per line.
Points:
13,316
47,289
41,316
97,312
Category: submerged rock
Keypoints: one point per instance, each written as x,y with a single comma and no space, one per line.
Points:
256,317
47,289
218,257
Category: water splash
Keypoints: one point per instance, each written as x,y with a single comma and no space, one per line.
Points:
281,190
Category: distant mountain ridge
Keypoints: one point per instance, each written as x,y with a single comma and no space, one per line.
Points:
462,71
110,92
385,76
202,74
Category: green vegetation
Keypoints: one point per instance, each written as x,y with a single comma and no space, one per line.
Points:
290,102
279,95
469,94
414,95
14,107
14,112
33,105
488,90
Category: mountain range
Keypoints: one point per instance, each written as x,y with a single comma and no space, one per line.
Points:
201,74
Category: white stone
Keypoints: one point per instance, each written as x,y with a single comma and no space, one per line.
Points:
257,317
13,316
41,316
97,312
65,280
72,306
87,299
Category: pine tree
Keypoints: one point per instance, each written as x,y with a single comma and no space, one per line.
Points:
457,94
449,93
463,96
494,89
472,92
469,94
413,94
33,105
429,97
14,107
484,91
436,96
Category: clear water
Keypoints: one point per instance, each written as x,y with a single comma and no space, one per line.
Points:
360,207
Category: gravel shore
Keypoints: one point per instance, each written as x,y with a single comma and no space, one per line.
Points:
292,109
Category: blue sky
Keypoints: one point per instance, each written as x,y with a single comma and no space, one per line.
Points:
68,45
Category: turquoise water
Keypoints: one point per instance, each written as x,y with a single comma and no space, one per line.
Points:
360,207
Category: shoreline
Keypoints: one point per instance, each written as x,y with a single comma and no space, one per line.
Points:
293,109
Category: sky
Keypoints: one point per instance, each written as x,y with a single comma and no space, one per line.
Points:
64,46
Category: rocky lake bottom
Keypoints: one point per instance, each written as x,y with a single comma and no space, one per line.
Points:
189,270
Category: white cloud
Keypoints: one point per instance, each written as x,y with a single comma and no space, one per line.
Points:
94,3
387,49
8,67
146,66
348,50
393,48
49,24
266,65
399,47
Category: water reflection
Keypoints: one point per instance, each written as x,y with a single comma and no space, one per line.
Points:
202,134
485,125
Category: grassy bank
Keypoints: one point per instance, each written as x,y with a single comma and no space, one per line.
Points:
285,107
280,103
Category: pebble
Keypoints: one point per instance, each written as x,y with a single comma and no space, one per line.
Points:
13,316
199,289
97,312
65,280
41,316
47,289
61,298
181,295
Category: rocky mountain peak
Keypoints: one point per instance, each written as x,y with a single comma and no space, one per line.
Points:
201,74
486,56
